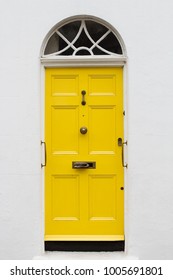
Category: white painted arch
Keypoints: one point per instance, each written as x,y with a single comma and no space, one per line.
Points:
111,58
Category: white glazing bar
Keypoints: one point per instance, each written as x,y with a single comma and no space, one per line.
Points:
78,34
66,40
83,48
99,40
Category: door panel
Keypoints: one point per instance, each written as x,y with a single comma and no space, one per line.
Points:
101,197
65,198
64,85
102,85
85,203
64,123
98,143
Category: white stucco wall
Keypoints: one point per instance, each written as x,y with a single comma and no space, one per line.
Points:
145,27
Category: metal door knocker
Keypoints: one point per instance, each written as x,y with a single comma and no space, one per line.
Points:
83,92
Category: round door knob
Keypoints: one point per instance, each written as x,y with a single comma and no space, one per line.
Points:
83,130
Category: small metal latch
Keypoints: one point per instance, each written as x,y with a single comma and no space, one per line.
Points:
120,142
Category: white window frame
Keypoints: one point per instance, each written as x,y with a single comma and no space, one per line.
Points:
108,59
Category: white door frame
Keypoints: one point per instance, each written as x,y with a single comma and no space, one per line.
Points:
81,61
66,63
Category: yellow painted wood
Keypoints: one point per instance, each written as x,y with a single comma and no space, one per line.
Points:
84,204
84,237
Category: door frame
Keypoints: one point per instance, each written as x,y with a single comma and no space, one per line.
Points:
83,62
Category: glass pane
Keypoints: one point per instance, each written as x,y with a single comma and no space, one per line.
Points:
83,52
83,41
111,44
96,30
70,30
53,44
69,51
97,51
62,44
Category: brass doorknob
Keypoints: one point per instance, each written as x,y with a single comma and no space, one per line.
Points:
83,130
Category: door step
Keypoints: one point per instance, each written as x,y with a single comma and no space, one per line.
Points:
85,246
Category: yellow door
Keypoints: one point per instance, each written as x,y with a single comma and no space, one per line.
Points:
84,175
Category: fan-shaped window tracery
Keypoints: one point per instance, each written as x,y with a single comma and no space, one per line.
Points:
83,37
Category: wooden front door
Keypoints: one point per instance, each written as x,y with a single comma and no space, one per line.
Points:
84,180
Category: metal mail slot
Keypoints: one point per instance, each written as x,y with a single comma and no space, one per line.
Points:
84,164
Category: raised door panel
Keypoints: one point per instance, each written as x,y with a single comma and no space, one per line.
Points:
102,129
64,85
102,84
102,197
64,126
65,198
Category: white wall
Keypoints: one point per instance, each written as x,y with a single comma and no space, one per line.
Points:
145,27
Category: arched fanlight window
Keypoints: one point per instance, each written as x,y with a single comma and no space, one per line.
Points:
81,37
